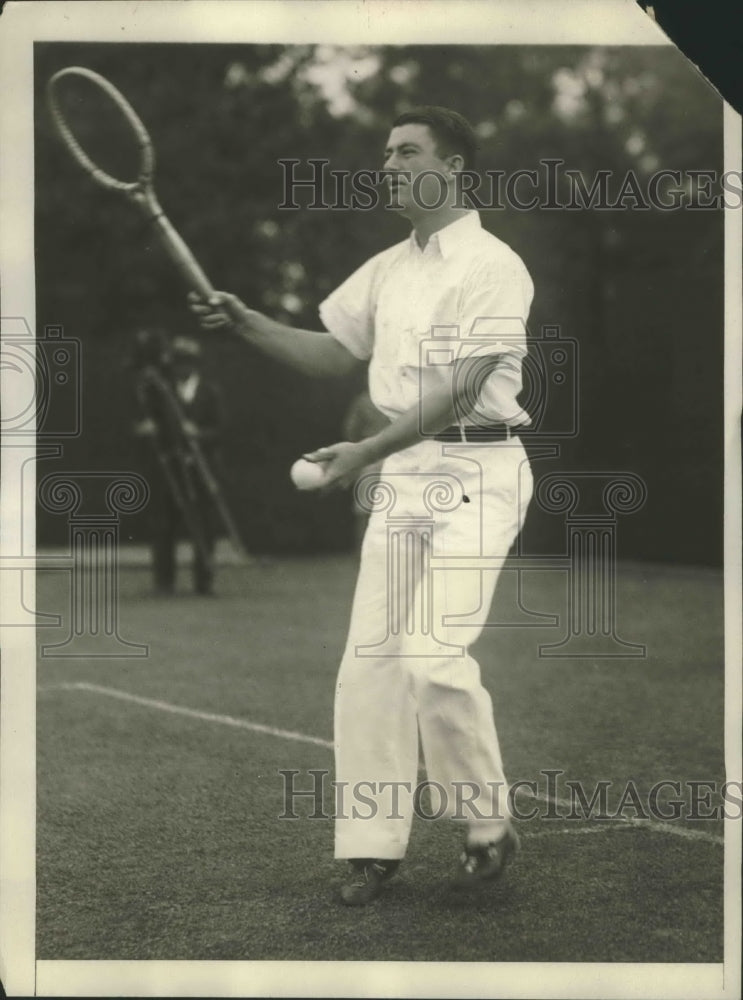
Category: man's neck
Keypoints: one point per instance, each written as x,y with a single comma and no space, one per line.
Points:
431,222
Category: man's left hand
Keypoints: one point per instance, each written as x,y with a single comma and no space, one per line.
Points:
343,463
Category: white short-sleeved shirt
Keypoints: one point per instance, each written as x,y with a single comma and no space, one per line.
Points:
412,312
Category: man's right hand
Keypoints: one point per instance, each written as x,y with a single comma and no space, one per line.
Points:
222,311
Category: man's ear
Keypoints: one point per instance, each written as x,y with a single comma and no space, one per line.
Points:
455,162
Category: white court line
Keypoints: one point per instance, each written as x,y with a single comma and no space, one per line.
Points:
629,823
655,826
193,713
579,829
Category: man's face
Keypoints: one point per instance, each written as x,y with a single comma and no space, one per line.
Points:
411,150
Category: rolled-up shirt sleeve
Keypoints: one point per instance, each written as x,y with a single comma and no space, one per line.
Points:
348,312
495,306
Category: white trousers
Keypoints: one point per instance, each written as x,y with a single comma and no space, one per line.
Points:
407,674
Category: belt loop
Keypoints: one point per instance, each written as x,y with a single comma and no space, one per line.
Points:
508,432
462,435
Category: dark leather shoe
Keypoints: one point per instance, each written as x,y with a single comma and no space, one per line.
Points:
366,879
481,862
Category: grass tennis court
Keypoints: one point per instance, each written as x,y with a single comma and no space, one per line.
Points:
158,832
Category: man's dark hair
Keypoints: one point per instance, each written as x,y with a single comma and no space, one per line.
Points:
452,132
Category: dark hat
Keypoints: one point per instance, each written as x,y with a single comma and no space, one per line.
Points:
150,347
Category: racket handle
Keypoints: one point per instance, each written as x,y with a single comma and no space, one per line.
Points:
181,256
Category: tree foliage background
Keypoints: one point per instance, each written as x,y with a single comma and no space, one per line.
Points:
641,291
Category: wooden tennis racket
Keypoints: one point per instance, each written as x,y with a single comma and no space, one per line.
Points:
140,192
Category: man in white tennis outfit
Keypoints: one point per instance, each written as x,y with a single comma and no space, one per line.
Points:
441,320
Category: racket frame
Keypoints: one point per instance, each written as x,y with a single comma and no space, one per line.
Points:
140,192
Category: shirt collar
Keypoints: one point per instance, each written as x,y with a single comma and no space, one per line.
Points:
448,239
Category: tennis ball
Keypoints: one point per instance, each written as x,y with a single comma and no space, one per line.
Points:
307,475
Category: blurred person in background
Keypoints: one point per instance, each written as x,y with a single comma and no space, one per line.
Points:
181,419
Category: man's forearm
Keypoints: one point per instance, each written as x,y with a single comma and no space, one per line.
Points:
435,411
447,405
310,352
